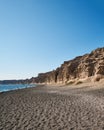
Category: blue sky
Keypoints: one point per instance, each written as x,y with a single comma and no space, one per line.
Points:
38,35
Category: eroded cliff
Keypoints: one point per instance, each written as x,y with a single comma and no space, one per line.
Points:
80,67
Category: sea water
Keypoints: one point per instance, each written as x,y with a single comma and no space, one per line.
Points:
9,87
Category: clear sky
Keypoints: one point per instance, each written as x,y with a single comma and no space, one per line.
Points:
38,35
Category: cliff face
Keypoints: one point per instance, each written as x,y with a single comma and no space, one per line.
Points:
88,65
79,68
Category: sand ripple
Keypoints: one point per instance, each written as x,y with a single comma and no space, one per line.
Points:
52,109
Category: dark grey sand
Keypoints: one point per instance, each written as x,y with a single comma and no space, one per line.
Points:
52,108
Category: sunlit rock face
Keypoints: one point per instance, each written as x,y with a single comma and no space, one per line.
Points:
80,67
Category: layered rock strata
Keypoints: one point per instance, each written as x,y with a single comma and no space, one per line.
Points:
80,67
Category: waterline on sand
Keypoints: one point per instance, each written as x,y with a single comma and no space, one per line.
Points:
9,87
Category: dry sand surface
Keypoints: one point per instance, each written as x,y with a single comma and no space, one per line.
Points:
53,108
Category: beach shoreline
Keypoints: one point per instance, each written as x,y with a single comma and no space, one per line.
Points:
53,108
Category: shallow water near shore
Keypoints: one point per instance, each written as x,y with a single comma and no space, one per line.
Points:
8,87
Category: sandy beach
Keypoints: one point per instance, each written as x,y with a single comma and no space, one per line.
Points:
53,108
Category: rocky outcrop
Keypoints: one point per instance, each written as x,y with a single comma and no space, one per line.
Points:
80,67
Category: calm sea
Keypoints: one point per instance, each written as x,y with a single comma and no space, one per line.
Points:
14,86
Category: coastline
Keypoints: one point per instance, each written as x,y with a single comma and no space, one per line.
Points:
53,108
11,87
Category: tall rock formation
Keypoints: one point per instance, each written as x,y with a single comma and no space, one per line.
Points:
80,67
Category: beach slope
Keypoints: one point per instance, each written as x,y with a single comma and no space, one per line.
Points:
52,108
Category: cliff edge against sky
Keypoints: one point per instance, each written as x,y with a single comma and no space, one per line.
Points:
81,67
78,69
